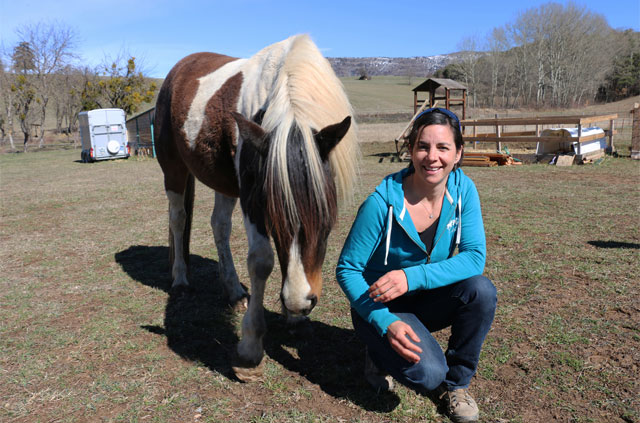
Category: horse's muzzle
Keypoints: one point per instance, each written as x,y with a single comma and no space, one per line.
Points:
312,298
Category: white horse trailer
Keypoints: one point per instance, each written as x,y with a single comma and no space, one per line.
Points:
103,133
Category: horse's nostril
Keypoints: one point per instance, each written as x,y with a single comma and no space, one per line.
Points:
314,300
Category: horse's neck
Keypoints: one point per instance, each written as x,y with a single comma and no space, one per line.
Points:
260,74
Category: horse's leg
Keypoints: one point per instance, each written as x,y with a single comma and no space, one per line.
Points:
254,325
221,226
180,214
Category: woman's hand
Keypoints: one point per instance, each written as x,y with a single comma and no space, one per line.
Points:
390,285
397,333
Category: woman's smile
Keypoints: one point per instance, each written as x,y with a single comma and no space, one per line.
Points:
434,154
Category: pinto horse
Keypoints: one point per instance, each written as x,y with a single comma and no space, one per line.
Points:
275,131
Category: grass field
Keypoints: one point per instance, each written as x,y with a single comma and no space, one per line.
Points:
89,331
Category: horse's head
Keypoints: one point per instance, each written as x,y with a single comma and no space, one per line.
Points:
299,204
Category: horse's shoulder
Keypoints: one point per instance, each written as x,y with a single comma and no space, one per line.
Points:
197,65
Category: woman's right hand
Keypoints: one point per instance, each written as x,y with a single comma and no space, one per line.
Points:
398,334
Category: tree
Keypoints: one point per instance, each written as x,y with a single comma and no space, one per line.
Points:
6,103
468,66
624,78
120,86
25,101
23,58
48,48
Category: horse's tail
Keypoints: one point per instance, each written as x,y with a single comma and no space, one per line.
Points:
189,195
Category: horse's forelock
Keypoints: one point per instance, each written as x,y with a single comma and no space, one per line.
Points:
309,202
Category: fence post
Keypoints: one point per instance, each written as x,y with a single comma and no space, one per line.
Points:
498,144
611,148
635,132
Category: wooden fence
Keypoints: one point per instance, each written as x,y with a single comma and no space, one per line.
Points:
501,133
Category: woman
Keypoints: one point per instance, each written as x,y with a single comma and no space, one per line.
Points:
403,280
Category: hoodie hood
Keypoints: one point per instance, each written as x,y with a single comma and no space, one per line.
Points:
392,193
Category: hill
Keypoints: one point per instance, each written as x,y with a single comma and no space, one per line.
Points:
396,66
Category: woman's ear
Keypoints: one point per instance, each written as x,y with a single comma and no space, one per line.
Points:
459,154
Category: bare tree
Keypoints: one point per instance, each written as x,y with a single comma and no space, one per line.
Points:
6,105
52,45
469,47
68,101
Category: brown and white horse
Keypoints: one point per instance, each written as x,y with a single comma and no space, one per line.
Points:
275,131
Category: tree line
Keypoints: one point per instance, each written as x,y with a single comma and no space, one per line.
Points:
552,55
40,75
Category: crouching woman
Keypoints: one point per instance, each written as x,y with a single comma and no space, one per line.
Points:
399,270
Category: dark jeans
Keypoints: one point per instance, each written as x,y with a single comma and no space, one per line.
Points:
467,306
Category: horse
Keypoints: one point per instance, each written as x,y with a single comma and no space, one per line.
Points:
274,131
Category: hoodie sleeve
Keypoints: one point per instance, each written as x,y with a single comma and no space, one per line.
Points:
365,235
472,250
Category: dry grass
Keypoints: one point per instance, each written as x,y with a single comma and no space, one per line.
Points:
89,332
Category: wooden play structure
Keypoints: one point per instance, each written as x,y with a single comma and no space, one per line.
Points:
442,89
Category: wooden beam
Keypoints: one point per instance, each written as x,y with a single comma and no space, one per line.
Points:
507,134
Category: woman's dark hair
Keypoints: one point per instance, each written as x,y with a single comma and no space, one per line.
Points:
438,117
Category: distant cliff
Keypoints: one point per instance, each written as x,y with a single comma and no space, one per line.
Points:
398,66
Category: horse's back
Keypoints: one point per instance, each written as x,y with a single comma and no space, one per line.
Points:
195,128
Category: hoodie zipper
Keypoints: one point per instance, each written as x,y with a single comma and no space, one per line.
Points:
434,243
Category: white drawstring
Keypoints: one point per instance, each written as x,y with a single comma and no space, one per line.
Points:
386,254
459,231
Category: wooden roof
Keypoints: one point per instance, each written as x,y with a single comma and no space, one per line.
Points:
434,83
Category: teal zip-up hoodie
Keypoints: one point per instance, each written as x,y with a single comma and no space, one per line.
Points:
383,238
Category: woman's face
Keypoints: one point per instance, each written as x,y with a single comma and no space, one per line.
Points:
434,154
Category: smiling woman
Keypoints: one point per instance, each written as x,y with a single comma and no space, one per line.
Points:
403,279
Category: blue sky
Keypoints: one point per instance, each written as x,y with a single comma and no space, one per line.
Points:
161,32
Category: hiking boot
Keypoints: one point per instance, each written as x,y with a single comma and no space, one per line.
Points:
379,380
460,406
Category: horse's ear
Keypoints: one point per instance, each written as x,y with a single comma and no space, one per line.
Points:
330,136
250,132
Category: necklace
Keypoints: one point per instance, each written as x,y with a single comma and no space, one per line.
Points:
430,213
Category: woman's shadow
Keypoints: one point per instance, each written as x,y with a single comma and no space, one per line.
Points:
200,326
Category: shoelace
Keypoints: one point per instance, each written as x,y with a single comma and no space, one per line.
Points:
458,396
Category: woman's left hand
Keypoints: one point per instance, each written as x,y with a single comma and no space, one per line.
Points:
391,285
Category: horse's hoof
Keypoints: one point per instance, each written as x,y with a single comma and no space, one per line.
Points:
250,374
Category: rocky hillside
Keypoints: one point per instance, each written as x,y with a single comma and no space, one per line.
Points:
398,66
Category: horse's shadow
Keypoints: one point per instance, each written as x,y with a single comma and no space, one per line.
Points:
200,326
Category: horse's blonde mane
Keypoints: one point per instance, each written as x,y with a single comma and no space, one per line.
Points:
307,94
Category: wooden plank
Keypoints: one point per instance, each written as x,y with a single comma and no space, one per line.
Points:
564,160
479,164
601,118
493,155
507,134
